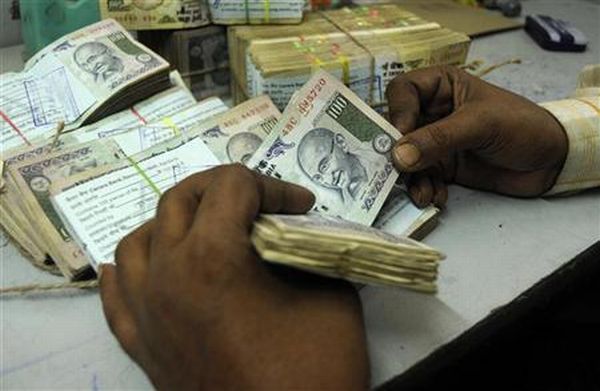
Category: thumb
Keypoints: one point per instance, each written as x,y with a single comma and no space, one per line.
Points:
439,140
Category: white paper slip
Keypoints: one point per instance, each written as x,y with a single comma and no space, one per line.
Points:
134,136
101,211
34,102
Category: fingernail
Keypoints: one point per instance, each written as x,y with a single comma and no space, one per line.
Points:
407,155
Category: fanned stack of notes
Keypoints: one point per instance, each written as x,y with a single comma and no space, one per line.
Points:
68,199
334,247
364,47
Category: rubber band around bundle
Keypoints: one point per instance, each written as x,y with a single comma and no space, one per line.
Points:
169,123
145,176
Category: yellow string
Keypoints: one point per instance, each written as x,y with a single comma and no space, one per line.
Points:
345,63
145,176
168,122
267,11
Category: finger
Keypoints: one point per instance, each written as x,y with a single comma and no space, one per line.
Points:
118,315
237,194
121,319
440,190
420,93
404,104
439,141
131,259
177,207
421,189
283,197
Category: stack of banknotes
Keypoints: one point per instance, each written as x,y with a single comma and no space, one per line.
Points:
179,14
364,47
78,79
335,247
68,198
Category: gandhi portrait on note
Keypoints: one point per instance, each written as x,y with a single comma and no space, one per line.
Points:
242,146
99,60
324,156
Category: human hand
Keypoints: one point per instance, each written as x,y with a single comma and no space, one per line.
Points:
459,128
191,302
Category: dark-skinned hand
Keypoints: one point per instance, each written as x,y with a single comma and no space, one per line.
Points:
461,129
191,302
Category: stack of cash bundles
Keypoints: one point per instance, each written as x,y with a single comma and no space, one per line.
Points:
191,34
365,47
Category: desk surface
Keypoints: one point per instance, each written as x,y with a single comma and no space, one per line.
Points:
497,248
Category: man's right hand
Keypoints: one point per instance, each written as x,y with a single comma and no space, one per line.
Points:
459,128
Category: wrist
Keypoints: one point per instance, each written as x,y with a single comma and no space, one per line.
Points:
580,119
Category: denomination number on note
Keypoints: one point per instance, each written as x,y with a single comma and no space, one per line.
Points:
337,106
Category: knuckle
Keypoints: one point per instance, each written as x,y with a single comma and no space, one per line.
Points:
166,198
397,83
440,137
237,171
122,248
239,175
213,259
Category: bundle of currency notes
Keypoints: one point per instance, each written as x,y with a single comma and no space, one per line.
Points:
364,47
199,54
78,79
334,247
156,14
256,11
27,214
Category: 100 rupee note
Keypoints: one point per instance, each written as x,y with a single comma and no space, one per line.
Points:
331,142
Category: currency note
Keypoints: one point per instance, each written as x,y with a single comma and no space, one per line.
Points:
235,135
106,58
34,179
14,219
331,142
156,14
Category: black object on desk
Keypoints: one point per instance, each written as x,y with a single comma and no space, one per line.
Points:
555,34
